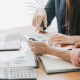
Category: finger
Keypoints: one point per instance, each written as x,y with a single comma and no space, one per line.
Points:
37,28
56,40
52,37
30,42
45,21
31,46
77,45
59,43
36,20
41,28
55,35
53,41
56,44
33,24
39,23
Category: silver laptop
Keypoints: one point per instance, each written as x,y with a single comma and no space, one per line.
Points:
10,41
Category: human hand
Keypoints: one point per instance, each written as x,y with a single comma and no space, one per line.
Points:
59,39
38,48
39,15
77,45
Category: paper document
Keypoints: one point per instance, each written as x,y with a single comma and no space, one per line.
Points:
44,38
24,46
18,58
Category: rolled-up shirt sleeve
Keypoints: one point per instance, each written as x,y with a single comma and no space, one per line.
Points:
75,57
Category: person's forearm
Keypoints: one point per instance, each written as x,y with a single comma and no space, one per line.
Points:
64,54
75,39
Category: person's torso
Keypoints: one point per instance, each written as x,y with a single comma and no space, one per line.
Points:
60,10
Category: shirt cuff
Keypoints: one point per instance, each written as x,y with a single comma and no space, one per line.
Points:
75,57
42,25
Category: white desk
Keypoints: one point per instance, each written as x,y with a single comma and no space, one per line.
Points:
22,30
41,74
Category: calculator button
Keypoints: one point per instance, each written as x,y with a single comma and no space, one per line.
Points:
24,69
14,76
21,69
17,74
33,76
11,76
21,74
29,76
26,76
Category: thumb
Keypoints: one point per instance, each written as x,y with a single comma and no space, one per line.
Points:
30,41
77,45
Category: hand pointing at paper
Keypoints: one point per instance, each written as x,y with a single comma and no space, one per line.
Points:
39,15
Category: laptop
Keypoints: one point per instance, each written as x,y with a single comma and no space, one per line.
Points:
10,41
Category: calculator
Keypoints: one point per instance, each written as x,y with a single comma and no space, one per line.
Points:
15,73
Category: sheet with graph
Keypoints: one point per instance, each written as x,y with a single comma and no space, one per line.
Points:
18,58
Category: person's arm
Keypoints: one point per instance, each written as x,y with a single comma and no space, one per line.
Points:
74,39
71,56
40,48
43,16
64,54
50,11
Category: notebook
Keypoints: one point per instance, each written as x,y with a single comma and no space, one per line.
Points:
53,64
10,41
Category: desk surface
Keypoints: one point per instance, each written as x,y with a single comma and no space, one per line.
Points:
41,74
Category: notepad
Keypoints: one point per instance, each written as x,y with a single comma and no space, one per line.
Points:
53,64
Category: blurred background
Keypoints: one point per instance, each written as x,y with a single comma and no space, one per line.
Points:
19,13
